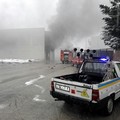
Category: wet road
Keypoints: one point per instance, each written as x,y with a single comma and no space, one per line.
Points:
24,95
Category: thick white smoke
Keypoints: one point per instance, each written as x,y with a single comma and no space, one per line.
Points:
75,19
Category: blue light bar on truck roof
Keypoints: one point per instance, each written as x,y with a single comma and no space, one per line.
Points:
104,59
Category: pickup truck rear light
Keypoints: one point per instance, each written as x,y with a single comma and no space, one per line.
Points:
52,86
95,95
72,91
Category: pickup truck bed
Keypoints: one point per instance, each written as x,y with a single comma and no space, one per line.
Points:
90,78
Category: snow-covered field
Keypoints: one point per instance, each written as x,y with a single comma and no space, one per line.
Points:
17,60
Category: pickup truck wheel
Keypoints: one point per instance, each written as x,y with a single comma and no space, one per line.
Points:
109,106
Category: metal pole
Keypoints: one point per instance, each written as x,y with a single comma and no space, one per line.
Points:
118,14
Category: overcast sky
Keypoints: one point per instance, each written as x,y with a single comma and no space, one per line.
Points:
29,13
26,13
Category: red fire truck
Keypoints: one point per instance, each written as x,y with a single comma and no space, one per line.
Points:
66,56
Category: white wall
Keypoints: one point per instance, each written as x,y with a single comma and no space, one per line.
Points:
25,43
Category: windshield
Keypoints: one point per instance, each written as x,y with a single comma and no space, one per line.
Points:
66,56
94,67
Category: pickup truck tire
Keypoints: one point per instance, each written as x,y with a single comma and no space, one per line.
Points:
109,106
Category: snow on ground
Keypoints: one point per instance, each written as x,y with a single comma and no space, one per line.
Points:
16,60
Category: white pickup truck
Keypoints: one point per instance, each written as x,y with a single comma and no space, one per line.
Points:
97,84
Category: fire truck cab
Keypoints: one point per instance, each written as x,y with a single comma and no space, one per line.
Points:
66,56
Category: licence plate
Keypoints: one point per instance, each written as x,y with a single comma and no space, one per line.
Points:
62,87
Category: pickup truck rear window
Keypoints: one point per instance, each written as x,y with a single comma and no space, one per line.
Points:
94,67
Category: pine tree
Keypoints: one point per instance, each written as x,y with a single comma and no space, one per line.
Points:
111,33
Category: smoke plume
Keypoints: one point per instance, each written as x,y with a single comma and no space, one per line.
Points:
75,19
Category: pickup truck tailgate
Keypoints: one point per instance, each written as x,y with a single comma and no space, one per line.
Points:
75,89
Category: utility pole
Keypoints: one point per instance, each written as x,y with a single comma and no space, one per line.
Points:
118,19
118,14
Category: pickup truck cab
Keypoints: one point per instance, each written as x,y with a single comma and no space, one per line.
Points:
97,84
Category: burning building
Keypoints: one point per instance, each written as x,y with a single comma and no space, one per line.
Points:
24,43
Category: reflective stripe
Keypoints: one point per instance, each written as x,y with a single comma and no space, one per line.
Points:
109,83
